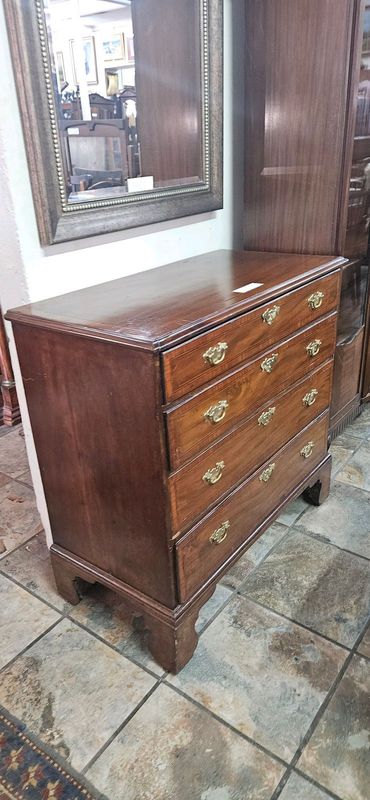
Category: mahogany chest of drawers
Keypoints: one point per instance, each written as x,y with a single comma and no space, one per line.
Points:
175,412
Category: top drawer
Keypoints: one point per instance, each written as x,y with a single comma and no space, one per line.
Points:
211,354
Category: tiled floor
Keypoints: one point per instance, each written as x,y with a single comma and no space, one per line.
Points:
275,702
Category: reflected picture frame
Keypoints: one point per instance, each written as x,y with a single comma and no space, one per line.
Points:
114,47
89,53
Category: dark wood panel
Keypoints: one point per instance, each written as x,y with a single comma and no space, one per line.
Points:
99,440
347,366
166,305
189,431
9,406
234,520
235,456
297,69
168,86
187,366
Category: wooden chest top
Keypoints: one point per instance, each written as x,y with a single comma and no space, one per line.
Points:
161,307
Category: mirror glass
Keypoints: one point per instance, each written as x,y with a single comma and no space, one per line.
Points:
129,95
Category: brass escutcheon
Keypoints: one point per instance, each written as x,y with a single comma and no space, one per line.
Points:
307,450
270,314
266,474
220,534
269,363
310,398
215,355
267,416
315,300
217,412
313,348
214,474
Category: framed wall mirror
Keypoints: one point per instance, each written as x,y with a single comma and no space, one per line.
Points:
122,110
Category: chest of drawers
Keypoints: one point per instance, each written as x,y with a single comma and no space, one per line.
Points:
175,412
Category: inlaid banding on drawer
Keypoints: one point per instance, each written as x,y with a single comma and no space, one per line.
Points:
209,355
190,424
209,476
204,549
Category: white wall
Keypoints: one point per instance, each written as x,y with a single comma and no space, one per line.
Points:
29,272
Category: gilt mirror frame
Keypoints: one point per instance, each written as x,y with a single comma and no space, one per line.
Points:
59,222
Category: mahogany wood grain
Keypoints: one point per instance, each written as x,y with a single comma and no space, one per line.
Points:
186,368
189,431
198,557
297,72
346,376
249,444
168,86
100,446
161,307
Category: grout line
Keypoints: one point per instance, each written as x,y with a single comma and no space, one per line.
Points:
20,545
113,647
227,724
120,728
31,644
30,591
316,784
320,538
296,622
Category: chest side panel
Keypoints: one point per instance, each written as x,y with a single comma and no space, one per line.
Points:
96,418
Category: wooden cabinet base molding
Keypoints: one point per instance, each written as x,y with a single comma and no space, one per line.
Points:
185,407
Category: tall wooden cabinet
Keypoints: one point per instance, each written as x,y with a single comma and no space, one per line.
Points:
307,187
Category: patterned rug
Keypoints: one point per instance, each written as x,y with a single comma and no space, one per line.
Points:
28,773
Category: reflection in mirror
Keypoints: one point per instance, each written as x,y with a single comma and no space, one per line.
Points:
127,84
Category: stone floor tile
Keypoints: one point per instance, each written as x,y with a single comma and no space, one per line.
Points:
341,450
343,520
73,691
261,673
291,513
104,613
3,479
13,456
221,595
357,470
253,556
364,646
172,749
22,619
19,517
298,788
316,584
337,755
361,426
30,565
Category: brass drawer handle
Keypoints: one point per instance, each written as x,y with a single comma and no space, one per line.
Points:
220,534
313,348
306,451
267,416
269,363
217,412
310,398
270,314
214,474
266,474
215,355
315,300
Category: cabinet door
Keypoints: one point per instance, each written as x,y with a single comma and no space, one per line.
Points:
298,56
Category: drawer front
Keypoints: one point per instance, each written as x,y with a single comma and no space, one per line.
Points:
194,424
206,547
212,354
211,475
